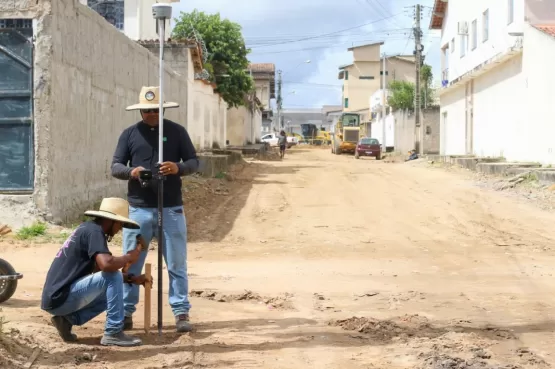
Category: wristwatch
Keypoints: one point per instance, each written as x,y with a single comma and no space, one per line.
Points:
130,278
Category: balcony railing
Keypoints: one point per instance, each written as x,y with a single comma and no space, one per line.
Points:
445,77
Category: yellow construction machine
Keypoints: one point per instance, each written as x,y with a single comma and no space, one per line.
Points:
345,133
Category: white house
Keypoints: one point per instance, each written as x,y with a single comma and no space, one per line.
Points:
497,95
482,94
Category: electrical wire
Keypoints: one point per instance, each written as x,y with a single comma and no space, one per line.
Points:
330,33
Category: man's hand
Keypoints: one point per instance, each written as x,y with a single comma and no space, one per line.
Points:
168,168
134,255
141,280
135,172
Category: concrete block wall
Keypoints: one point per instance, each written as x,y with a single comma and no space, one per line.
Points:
86,73
243,126
405,130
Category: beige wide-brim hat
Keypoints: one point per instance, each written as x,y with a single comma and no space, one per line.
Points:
114,208
149,99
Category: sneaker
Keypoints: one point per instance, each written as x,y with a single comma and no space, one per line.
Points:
64,328
182,323
128,323
120,339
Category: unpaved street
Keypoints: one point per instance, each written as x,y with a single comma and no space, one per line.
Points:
437,272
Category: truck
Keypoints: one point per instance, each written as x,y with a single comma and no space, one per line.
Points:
314,136
272,140
345,133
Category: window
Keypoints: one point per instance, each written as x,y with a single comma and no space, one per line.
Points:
463,45
366,77
16,106
485,26
386,73
474,31
452,47
346,102
510,11
346,75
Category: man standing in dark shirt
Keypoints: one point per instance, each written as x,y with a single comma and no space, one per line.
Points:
138,147
74,295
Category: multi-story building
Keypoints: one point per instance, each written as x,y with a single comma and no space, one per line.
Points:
264,75
363,77
497,77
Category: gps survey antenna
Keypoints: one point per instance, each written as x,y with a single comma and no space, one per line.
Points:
161,13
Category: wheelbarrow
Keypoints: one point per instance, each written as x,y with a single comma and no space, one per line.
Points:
8,280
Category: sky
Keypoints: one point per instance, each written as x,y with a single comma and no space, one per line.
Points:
289,33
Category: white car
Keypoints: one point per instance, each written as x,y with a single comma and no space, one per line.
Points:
272,139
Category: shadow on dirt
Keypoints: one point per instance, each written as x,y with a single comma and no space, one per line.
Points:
212,205
15,303
353,332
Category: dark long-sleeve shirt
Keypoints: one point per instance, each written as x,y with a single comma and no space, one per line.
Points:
138,147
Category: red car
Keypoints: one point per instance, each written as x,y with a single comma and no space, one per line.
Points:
368,147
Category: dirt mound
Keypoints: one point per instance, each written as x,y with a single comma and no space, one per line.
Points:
386,330
271,154
449,362
15,349
282,302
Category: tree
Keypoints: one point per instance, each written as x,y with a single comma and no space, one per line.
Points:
402,92
227,61
402,95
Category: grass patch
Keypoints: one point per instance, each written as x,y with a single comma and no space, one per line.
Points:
35,230
220,175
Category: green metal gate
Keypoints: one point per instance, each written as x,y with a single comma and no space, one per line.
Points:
16,105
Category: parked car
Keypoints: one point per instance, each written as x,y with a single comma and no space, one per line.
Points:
367,146
272,140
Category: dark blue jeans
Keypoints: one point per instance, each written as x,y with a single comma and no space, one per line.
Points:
175,255
92,295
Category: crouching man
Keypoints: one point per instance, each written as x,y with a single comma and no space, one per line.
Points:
85,280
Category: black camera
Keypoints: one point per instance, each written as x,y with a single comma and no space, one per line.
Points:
145,176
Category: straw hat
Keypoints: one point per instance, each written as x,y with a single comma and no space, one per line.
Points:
148,99
114,208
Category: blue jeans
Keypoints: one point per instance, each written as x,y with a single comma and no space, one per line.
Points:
92,295
175,255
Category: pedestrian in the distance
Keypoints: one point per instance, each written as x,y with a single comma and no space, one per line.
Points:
74,294
138,147
282,142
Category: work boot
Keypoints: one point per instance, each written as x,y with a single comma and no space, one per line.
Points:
63,326
182,324
120,339
128,323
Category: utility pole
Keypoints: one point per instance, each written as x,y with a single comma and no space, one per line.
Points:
384,80
279,101
418,54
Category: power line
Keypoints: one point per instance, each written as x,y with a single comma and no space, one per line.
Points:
331,33
336,46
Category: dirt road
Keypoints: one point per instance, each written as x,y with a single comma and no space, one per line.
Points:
439,273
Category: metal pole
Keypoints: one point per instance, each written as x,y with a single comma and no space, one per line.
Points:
162,31
383,104
418,54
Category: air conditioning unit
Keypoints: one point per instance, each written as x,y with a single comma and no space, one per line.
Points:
463,28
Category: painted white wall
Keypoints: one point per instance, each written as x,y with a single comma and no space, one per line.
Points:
538,133
377,130
498,41
453,129
138,23
498,103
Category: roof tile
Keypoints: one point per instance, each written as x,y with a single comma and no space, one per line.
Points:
547,28
263,67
